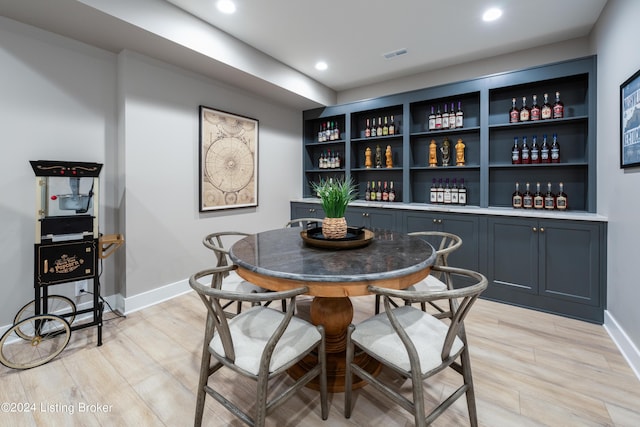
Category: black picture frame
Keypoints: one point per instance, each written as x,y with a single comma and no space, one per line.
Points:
228,160
630,122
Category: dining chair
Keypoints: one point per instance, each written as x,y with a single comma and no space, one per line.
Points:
259,343
304,222
444,243
416,345
218,243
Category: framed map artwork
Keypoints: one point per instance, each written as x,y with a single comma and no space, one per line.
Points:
228,160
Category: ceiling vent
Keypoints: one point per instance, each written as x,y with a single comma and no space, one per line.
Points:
395,53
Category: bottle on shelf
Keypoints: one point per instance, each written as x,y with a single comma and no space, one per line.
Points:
374,130
367,192
558,107
445,117
385,192
379,129
452,117
327,132
514,113
535,109
379,192
538,198
433,192
336,131
331,160
432,119
555,149
525,112
535,150
459,116
446,198
527,197
455,192
549,198
516,198
515,152
545,151
392,192
440,193
525,152
438,119
367,130
372,197
338,161
562,202
546,111
392,127
385,128
321,133
462,193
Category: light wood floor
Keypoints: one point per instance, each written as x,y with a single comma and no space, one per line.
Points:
530,369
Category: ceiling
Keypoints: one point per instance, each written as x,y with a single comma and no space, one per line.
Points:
292,35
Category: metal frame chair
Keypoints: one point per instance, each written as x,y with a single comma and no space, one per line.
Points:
444,243
260,343
417,345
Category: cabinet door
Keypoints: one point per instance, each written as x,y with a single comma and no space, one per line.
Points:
371,218
570,261
513,254
306,210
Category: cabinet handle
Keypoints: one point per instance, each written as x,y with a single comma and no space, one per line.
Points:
365,214
435,221
311,210
439,221
542,229
534,229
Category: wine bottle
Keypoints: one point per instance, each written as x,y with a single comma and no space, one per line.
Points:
516,197
447,193
514,113
373,191
392,193
433,193
385,193
338,162
336,131
367,130
558,107
374,131
327,132
515,152
538,198
379,130
438,119
445,118
379,192
535,150
525,153
535,109
527,197
385,128
320,134
452,117
549,198
455,192
367,192
432,119
562,201
545,152
392,127
462,193
459,116
440,193
555,149
525,112
546,111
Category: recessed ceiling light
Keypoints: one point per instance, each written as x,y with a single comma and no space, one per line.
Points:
491,14
226,6
321,65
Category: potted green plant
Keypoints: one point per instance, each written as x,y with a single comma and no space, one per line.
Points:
335,195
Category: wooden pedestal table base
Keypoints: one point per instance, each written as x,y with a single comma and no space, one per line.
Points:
335,314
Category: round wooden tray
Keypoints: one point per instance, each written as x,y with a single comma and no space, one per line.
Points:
356,238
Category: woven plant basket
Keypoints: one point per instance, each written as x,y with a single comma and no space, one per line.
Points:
334,228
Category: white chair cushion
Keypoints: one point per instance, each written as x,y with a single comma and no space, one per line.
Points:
425,331
251,330
429,283
233,282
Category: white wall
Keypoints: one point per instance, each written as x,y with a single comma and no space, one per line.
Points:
615,39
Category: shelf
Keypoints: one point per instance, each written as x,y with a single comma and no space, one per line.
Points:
445,131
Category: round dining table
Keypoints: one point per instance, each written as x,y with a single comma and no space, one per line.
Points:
281,259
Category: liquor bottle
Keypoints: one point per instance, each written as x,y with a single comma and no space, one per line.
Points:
379,130
546,111
440,193
438,119
535,109
514,113
385,128
538,198
379,192
432,119
336,131
374,131
447,193
527,198
392,193
525,112
338,162
321,161
367,192
525,153
462,193
327,132
372,197
558,107
445,118
385,192
331,162
433,193
392,127
455,192
459,116
549,198
452,117
535,150
332,133
516,198
545,152
367,130
515,152
555,149
562,202
320,134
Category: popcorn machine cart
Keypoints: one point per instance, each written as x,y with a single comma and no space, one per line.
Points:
68,248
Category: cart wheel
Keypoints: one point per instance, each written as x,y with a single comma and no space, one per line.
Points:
51,335
56,304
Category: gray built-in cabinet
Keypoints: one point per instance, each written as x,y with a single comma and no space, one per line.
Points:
547,260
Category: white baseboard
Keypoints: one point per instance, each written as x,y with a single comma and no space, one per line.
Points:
146,299
628,349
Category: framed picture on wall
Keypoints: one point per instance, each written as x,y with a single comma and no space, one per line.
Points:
228,160
630,121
